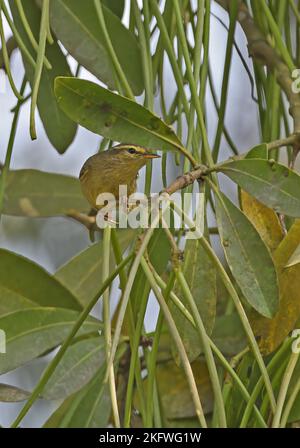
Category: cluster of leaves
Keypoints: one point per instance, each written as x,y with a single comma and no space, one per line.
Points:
202,347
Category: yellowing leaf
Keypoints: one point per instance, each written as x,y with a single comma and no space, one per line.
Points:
174,391
295,258
264,220
272,332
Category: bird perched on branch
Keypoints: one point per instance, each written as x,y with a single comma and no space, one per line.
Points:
105,171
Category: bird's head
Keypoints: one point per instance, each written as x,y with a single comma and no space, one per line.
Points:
133,154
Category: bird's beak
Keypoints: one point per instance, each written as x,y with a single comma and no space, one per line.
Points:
150,155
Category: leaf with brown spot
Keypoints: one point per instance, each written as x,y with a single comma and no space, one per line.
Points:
113,116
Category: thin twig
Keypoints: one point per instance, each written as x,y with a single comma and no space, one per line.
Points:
11,45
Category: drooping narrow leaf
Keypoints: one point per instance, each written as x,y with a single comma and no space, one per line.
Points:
82,274
271,183
116,6
272,332
228,334
12,394
32,332
77,367
88,408
111,115
200,275
248,257
159,254
59,128
36,193
174,392
76,25
21,276
235,405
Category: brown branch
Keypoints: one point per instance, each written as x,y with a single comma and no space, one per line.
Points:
187,179
261,51
291,140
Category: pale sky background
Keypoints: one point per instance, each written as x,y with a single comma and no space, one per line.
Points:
51,242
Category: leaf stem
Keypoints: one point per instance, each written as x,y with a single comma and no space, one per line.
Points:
206,347
214,348
117,66
151,364
289,405
17,36
57,358
277,36
6,60
6,166
284,388
126,293
179,344
107,324
233,10
241,312
29,32
39,66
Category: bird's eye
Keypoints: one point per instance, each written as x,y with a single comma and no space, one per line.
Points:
131,150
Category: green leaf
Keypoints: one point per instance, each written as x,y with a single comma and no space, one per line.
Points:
59,129
294,415
200,275
248,257
77,367
159,254
12,301
33,331
235,404
228,334
12,394
258,152
113,116
82,274
88,408
295,411
116,6
271,183
76,25
20,276
39,194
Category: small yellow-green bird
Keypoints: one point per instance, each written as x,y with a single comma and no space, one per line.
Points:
105,171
